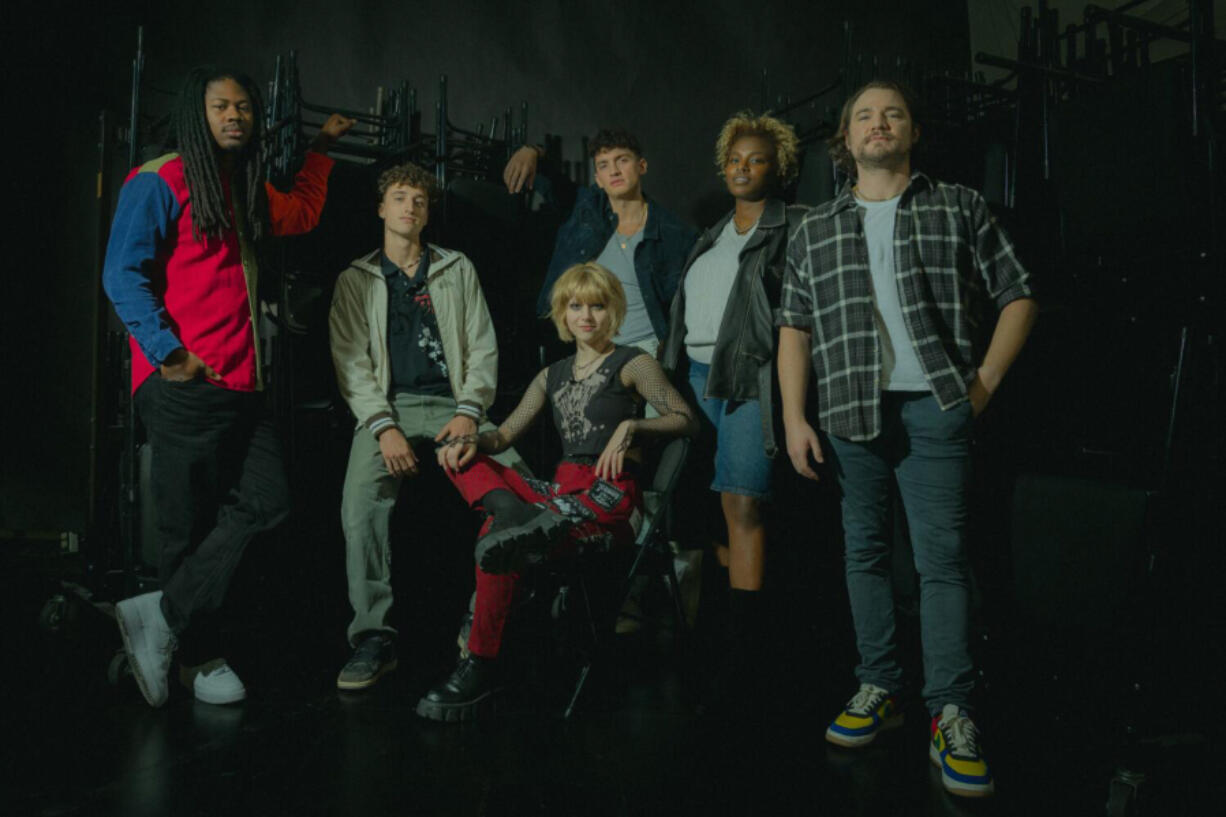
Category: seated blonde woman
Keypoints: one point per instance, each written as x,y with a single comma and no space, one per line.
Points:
596,396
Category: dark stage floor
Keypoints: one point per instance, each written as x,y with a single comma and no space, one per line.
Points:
77,744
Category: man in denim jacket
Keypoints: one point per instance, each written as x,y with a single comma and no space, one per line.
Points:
614,223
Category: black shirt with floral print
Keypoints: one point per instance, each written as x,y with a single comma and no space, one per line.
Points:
414,346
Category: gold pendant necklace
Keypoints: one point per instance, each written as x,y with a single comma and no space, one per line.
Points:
637,226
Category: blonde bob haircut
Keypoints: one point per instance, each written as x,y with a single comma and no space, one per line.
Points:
587,283
777,132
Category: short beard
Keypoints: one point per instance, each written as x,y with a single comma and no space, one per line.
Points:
889,160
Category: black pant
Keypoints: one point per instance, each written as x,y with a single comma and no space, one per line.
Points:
218,480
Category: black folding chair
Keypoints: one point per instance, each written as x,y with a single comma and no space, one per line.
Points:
652,557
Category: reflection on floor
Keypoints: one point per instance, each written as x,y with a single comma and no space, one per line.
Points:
78,744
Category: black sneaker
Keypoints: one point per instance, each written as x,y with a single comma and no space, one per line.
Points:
374,657
508,548
471,686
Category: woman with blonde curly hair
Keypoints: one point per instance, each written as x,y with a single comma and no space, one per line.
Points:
722,337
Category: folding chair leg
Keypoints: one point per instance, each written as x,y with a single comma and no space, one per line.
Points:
574,697
680,623
587,667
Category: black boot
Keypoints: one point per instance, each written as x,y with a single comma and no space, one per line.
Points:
735,687
506,508
521,534
472,684
745,641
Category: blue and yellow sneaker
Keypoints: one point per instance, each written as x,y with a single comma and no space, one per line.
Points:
955,750
871,710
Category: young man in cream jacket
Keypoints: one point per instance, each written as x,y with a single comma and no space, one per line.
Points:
417,361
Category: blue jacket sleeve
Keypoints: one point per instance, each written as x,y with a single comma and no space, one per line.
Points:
556,268
678,250
565,251
146,213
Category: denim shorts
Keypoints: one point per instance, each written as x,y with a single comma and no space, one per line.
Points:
735,427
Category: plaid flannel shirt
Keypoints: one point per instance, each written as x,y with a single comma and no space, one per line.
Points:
943,235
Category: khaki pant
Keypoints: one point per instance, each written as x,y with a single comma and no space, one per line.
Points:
370,495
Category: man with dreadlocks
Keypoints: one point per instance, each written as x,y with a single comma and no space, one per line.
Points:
181,270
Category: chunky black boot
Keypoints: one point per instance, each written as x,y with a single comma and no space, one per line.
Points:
521,534
472,684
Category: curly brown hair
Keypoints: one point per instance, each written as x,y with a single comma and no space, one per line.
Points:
612,138
409,175
780,134
837,143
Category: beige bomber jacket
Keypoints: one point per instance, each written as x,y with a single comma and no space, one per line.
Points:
357,325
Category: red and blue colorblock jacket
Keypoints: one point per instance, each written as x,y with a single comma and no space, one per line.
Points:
173,290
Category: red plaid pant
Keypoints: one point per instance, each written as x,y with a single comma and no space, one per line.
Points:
602,510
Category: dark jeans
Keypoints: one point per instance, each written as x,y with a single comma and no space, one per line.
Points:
927,451
218,480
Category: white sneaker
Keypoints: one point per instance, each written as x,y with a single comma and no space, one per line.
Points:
216,683
149,643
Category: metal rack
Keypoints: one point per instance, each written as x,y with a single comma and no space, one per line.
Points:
390,132
1059,70
954,103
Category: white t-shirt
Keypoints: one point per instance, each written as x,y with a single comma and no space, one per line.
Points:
707,287
900,366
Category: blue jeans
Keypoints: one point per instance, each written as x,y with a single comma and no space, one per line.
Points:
928,452
741,464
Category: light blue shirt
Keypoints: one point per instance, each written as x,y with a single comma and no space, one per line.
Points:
618,258
707,287
900,366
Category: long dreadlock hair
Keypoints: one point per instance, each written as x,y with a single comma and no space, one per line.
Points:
190,135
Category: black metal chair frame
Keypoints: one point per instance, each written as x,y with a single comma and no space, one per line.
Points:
652,556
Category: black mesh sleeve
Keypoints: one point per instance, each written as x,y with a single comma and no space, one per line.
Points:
521,417
676,418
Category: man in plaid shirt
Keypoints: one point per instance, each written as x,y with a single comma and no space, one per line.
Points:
876,296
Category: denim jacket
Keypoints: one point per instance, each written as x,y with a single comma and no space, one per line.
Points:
658,259
742,362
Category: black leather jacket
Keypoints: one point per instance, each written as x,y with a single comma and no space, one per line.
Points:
743,360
